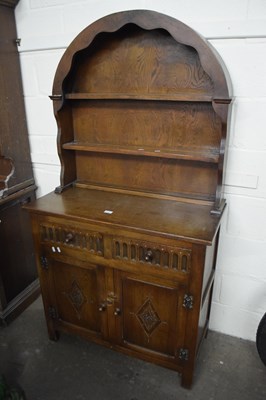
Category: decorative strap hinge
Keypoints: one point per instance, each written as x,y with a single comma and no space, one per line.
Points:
52,312
183,354
188,302
44,262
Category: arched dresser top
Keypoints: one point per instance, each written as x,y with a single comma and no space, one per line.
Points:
210,61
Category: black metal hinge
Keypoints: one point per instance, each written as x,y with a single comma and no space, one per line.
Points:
188,301
183,354
44,262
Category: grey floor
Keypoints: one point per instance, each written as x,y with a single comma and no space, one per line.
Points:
73,369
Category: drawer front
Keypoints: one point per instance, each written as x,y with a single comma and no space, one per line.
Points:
72,237
86,243
161,256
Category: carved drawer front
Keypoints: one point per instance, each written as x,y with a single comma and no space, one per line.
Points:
166,257
73,238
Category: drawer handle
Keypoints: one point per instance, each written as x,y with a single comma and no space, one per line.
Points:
69,237
102,307
117,311
148,256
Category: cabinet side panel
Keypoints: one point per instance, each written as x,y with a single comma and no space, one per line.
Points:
65,134
207,287
210,262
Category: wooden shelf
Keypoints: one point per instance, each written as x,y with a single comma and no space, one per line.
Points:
182,96
203,155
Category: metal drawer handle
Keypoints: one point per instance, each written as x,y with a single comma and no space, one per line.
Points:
69,238
148,256
102,307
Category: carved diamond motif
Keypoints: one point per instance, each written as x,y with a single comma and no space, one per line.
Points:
76,296
148,317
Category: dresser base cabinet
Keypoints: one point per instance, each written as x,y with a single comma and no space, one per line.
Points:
146,294
126,245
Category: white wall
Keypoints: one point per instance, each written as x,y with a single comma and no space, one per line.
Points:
237,29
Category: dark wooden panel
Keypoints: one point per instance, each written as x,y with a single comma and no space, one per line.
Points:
18,276
9,3
133,60
148,317
17,267
162,125
194,180
19,285
14,142
77,295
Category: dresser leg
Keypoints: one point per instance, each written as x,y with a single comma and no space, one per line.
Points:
53,334
187,379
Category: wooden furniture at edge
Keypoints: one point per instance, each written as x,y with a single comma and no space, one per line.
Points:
19,284
126,246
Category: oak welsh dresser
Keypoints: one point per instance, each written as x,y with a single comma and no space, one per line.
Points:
126,246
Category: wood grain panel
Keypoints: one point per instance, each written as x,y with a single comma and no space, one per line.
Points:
148,317
77,295
157,175
133,60
162,125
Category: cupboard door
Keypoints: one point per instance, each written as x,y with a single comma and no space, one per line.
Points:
152,316
77,293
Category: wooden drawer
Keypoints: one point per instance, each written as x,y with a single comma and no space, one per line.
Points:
143,252
72,237
85,243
